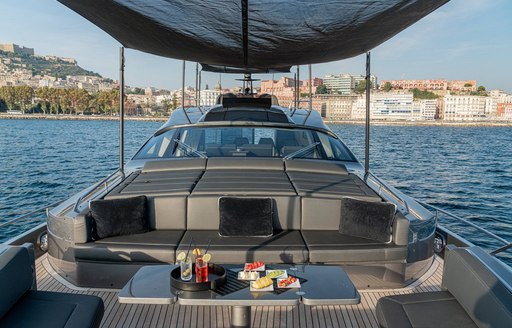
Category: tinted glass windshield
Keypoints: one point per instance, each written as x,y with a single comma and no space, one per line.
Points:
244,142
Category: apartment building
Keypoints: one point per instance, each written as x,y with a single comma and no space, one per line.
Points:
345,84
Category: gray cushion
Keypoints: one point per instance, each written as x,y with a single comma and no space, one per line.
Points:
328,246
175,164
16,276
432,309
245,164
245,217
115,217
282,247
469,274
371,220
203,214
52,310
315,166
152,246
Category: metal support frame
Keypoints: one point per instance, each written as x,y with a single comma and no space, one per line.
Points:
367,125
310,88
197,84
121,110
240,316
297,88
183,94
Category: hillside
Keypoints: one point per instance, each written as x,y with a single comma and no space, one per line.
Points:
47,65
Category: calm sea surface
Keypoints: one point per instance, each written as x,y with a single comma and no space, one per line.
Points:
465,170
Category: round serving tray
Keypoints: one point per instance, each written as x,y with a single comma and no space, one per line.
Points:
216,278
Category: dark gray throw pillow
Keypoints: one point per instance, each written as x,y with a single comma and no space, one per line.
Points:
245,217
116,217
371,220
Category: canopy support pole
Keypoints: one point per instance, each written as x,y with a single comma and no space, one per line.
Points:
197,84
183,94
199,93
297,89
121,110
310,88
367,130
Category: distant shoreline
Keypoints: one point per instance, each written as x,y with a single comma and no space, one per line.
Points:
66,117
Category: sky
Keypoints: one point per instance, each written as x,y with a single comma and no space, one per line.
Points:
463,40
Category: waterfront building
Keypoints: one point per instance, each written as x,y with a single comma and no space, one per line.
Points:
432,85
339,108
426,108
209,97
284,89
504,111
463,108
387,106
345,84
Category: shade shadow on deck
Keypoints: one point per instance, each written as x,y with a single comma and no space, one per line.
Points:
133,315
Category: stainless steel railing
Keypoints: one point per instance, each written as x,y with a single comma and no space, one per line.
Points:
506,244
383,188
28,215
100,186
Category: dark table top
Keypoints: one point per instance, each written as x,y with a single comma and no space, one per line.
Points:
321,285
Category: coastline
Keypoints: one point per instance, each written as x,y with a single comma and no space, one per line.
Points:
67,117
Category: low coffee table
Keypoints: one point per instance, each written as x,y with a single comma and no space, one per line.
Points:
320,285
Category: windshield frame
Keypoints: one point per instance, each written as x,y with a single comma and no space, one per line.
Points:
179,129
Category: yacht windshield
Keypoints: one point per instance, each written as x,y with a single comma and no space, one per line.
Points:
244,141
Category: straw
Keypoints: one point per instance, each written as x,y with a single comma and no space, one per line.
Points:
209,242
188,250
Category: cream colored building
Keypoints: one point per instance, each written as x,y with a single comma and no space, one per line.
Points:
464,108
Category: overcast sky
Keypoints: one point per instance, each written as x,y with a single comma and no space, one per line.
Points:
464,39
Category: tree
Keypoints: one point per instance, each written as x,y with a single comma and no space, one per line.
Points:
420,94
387,86
44,97
8,95
80,100
321,89
468,85
24,96
361,86
481,89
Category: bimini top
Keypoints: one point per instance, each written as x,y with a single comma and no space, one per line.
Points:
253,36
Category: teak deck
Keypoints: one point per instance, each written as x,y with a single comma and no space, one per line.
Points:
132,315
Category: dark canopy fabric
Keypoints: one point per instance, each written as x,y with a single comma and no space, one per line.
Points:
262,35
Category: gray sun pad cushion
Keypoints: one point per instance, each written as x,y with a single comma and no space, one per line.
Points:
245,217
117,217
371,220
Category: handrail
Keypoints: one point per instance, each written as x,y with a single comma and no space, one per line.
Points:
383,186
190,149
302,150
29,214
104,181
507,244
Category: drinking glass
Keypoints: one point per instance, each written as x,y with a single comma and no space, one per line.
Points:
186,269
201,269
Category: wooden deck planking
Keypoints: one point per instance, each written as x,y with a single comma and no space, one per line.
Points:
139,315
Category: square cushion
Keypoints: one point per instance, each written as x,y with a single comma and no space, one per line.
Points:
117,217
426,310
371,220
44,309
245,217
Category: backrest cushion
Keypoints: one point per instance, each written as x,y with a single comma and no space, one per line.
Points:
469,274
371,220
116,217
16,276
315,166
245,217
